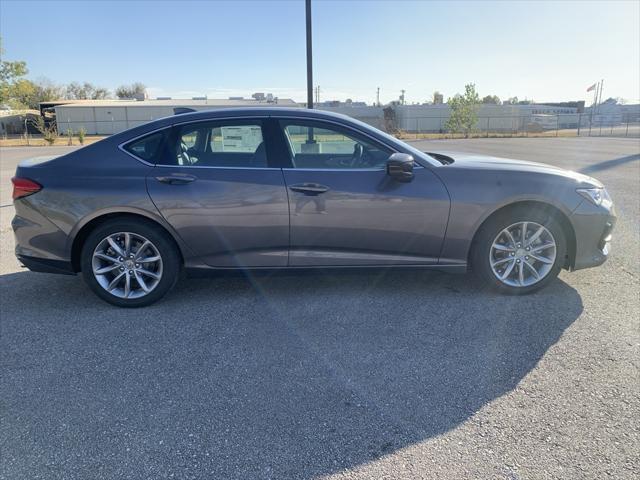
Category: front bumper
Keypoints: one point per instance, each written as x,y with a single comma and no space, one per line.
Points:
593,226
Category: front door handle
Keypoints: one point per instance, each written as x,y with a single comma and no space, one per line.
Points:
309,188
177,179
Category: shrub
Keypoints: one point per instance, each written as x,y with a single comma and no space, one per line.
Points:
48,132
81,134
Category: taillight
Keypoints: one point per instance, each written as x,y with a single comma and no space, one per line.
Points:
23,187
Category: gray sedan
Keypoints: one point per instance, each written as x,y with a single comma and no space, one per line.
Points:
287,188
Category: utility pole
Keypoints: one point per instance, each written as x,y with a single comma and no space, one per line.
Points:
309,59
378,97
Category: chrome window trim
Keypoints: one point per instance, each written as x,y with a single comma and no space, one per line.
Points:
219,168
393,148
382,169
244,117
167,127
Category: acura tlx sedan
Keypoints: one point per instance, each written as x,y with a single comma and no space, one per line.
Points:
271,188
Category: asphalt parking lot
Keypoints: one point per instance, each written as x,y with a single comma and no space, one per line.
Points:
332,375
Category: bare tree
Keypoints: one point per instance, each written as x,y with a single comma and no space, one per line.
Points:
135,90
85,91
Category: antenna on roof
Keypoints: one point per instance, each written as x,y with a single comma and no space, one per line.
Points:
181,110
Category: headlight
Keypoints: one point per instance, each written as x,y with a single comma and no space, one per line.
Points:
597,196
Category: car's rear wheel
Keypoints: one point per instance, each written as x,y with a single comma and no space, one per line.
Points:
130,263
520,250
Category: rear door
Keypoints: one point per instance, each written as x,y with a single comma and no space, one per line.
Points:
346,210
216,186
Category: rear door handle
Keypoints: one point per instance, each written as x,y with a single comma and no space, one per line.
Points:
177,179
309,188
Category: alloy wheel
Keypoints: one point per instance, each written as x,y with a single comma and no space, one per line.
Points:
127,265
523,254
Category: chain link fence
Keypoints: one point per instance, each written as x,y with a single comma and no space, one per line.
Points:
547,125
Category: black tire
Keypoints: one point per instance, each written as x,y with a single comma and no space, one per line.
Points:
170,257
481,248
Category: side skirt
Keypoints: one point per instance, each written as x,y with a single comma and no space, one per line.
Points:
193,272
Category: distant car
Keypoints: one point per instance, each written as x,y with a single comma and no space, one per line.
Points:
291,188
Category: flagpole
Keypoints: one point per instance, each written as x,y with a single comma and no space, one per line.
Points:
601,85
595,100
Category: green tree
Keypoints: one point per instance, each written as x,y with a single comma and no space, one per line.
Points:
11,71
20,93
132,91
464,111
511,101
491,100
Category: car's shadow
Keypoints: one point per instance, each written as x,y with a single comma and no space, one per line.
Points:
286,376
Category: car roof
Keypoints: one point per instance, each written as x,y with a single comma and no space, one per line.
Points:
253,112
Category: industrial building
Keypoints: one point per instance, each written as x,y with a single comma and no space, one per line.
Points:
106,117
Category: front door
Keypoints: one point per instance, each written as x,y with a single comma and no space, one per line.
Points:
220,193
346,210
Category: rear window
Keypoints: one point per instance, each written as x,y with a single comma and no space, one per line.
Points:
221,143
148,148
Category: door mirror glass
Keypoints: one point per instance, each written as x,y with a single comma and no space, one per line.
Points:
400,167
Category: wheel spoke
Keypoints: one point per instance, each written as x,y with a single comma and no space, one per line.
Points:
533,270
508,270
141,281
142,248
115,282
535,236
503,248
501,261
149,273
127,285
521,274
524,232
149,259
107,269
104,256
511,239
116,248
541,259
543,247
127,243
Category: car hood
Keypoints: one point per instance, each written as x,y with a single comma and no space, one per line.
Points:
482,162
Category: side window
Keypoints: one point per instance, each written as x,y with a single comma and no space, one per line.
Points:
220,144
148,148
320,146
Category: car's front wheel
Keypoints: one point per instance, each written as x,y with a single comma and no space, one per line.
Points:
129,263
519,251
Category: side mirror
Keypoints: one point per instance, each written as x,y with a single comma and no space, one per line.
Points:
400,167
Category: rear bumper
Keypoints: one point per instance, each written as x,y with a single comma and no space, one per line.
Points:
39,244
593,228
46,265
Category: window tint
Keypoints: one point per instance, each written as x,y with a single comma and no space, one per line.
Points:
148,148
320,146
216,144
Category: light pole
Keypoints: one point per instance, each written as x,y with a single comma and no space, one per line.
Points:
309,56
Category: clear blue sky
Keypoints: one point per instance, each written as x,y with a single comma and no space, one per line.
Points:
539,50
